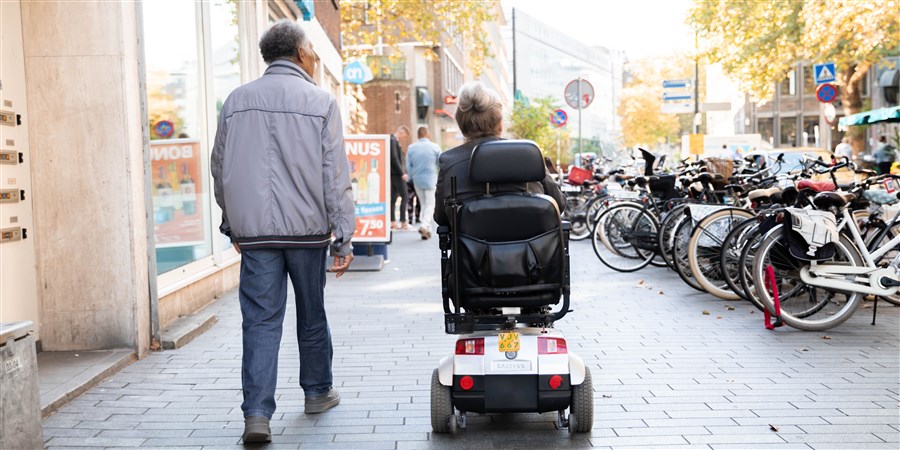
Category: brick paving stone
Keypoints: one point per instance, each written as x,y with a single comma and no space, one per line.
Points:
665,376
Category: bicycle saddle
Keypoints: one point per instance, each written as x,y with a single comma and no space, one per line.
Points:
758,194
705,177
825,200
816,186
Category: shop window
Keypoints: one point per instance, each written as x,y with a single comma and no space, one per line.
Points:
180,187
788,131
766,128
226,69
453,76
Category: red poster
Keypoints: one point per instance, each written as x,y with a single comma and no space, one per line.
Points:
370,177
177,190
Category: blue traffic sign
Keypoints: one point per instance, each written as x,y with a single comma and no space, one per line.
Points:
677,84
676,96
164,129
826,93
559,118
824,73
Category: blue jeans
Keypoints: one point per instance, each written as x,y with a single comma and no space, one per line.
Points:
263,296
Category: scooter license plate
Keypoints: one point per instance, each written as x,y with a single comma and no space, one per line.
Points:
509,342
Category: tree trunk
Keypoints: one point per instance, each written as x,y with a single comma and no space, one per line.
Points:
851,100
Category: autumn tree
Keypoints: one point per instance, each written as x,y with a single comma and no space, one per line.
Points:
640,105
759,42
530,119
366,24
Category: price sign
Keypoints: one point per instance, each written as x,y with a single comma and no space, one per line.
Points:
370,177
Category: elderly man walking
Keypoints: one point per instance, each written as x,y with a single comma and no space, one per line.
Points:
282,180
422,166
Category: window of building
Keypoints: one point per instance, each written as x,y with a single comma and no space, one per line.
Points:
809,81
766,128
453,75
810,130
193,61
788,131
788,86
179,185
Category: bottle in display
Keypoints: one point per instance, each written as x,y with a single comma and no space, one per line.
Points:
188,191
354,185
373,180
164,198
177,200
363,193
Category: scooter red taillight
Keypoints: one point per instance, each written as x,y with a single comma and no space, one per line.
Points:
552,346
474,346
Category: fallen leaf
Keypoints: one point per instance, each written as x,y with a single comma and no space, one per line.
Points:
867,306
640,282
729,381
705,313
662,293
729,307
804,349
752,311
773,427
718,317
607,396
826,337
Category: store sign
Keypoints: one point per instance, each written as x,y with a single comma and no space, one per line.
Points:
370,178
177,189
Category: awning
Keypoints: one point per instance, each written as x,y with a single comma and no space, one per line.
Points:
870,117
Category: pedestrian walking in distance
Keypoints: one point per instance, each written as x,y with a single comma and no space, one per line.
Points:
399,179
422,167
282,181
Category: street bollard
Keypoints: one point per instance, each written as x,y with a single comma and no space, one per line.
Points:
20,409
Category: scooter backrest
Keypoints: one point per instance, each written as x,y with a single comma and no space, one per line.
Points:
512,161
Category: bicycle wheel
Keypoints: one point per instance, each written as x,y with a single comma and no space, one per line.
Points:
624,238
705,250
576,214
667,231
877,240
680,238
803,306
748,256
730,257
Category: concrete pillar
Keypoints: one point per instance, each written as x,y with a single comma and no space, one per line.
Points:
81,64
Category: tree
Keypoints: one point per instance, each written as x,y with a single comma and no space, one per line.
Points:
530,119
643,123
368,23
759,42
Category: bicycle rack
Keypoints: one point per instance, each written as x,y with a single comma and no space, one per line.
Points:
773,286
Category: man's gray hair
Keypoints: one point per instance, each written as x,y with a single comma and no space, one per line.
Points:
282,40
479,112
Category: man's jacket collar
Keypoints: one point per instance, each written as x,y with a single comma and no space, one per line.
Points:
282,67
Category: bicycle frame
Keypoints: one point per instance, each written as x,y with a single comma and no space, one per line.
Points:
867,279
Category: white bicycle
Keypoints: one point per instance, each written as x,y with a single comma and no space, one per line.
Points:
816,295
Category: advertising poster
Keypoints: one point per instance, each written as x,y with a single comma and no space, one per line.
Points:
370,178
176,188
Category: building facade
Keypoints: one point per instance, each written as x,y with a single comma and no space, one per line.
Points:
544,60
117,105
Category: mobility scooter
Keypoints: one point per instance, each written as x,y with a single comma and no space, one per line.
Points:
505,264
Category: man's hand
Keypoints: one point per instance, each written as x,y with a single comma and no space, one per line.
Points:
236,247
405,177
341,263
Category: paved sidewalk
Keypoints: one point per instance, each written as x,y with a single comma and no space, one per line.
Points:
665,375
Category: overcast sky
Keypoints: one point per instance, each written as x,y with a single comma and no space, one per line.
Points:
641,28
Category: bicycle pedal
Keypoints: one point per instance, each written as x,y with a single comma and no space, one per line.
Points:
889,282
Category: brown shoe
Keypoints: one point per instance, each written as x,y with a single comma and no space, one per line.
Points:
322,403
424,233
256,430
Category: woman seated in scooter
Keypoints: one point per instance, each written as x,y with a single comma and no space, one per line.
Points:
479,115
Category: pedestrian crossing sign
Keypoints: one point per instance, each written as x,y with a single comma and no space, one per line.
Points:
824,73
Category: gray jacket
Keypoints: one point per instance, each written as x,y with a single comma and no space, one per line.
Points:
280,170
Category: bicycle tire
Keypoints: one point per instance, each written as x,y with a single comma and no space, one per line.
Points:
681,237
705,250
667,226
772,252
618,237
730,257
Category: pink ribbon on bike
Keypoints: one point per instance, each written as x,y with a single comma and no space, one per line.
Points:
773,286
